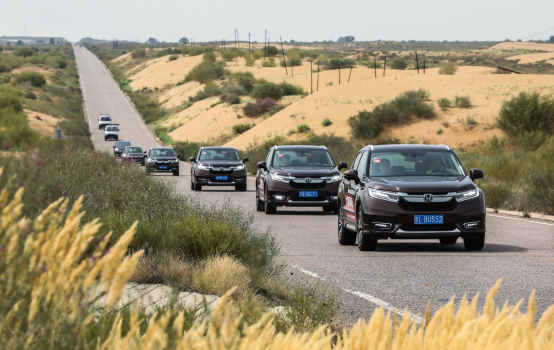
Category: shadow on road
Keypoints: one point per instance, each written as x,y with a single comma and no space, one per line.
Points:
435,246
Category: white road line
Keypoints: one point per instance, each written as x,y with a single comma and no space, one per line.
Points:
534,222
365,296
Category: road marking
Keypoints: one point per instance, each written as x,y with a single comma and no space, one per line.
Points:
365,296
534,222
536,257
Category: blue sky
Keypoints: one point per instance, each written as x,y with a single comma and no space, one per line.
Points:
301,20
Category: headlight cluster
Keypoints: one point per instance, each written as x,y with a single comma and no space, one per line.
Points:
239,167
384,195
334,178
281,178
204,167
464,196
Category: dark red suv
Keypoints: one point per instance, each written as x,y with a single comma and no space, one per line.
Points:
410,192
298,176
218,166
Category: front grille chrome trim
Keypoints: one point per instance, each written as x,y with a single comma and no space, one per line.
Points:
402,233
420,198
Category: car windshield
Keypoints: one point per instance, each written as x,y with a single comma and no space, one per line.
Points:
121,144
133,149
105,119
111,128
224,154
303,157
166,152
414,163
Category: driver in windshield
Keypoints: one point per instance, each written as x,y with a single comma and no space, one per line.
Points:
435,167
286,160
384,167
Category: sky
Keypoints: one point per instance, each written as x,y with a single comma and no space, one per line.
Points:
300,20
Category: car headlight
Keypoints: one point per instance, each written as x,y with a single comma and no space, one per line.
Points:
334,178
281,178
384,195
240,167
464,196
203,167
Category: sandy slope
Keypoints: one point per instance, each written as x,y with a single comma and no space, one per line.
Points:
338,103
522,46
179,94
160,72
43,123
533,57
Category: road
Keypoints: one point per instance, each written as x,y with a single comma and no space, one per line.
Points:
400,274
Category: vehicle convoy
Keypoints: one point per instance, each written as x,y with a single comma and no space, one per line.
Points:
410,192
111,131
218,166
300,176
163,160
133,154
119,146
103,120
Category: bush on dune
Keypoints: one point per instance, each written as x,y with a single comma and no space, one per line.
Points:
36,79
206,71
527,113
267,89
260,107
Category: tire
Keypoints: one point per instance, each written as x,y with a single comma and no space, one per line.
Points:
364,242
346,237
268,207
241,187
259,204
197,187
176,173
117,138
448,240
105,138
327,209
475,243
191,184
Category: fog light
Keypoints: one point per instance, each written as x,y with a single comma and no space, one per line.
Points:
333,198
381,225
472,224
279,197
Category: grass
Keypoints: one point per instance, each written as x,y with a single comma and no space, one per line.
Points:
241,128
219,274
302,128
326,122
449,68
444,103
439,131
462,102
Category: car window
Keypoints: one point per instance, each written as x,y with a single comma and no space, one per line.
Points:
226,154
133,150
122,144
362,165
303,157
414,163
356,162
105,119
162,153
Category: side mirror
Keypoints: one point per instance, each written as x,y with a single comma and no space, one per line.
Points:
178,156
351,175
192,159
262,165
245,159
475,174
113,146
343,165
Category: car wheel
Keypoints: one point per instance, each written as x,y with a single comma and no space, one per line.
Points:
268,207
259,203
327,209
346,237
364,242
191,184
448,240
475,243
176,173
117,139
241,187
197,187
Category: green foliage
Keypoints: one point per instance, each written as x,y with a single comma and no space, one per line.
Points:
241,128
439,131
209,56
292,62
267,89
260,107
527,113
245,79
444,103
449,68
36,79
206,71
409,105
10,99
10,62
399,63
232,53
270,62
139,52
375,64
23,51
186,149
275,109
257,54
173,57
271,51
30,95
302,128
462,101
210,90
326,122
291,90
471,121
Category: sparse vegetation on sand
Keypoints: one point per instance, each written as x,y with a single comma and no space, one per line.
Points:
462,101
241,128
444,103
449,68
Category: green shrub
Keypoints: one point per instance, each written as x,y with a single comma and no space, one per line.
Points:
302,128
398,63
232,53
245,79
24,51
471,121
444,103
267,89
10,99
209,56
30,95
173,57
232,89
257,54
326,122
210,90
449,68
272,51
36,79
241,128
4,68
275,109
375,64
541,186
270,62
186,149
527,113
139,52
206,71
260,107
462,101
439,131
291,90
292,61
496,192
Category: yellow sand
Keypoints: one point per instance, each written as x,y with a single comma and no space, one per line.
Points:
179,94
160,72
338,103
533,57
522,46
43,123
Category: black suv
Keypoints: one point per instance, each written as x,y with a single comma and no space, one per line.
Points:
301,176
218,166
119,147
410,192
133,154
163,160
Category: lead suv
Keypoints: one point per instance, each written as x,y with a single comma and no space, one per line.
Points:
218,166
410,192
299,176
162,160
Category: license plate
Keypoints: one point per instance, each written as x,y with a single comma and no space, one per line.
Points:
221,178
308,194
428,219
163,167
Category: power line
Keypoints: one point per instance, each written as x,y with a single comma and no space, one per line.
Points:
530,36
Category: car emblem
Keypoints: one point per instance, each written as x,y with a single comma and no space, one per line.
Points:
308,180
427,197
220,169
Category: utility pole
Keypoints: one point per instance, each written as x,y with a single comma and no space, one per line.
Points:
311,79
385,65
238,40
339,74
265,44
283,51
423,66
349,75
317,75
417,62
249,42
375,66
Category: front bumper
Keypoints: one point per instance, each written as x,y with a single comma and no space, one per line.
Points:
210,177
162,167
458,222
281,194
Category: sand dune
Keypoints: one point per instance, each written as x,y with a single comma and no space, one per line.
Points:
522,46
533,57
161,72
179,94
338,103
43,123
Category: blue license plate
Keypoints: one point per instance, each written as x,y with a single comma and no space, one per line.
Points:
163,167
308,194
224,178
428,219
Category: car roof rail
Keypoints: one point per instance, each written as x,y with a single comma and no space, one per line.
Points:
444,146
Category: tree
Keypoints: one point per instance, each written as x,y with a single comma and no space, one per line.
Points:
399,63
152,41
52,42
552,39
19,43
346,39
184,40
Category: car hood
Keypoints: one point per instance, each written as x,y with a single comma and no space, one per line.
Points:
220,163
298,171
423,183
163,158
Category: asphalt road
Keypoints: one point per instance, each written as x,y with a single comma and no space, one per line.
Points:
400,274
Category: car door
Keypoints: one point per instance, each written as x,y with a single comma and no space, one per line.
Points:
262,173
349,188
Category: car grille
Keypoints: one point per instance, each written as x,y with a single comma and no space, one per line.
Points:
432,206
442,227
308,186
222,172
308,199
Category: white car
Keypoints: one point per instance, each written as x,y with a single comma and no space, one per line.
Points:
103,120
111,131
